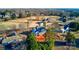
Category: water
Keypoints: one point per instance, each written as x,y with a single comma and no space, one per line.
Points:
60,43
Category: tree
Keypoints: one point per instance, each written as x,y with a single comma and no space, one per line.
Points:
74,26
20,15
33,45
70,39
13,16
6,15
29,14
43,45
50,38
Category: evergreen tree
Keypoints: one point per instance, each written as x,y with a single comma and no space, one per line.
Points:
33,43
50,38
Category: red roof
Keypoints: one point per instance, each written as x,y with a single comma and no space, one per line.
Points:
40,38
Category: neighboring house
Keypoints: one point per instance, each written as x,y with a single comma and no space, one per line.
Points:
39,30
65,29
7,16
63,19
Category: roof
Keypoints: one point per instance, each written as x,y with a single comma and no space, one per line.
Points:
39,30
40,38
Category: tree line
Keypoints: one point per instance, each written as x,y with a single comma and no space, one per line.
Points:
13,14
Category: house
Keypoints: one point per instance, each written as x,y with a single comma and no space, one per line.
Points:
40,38
63,19
39,30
